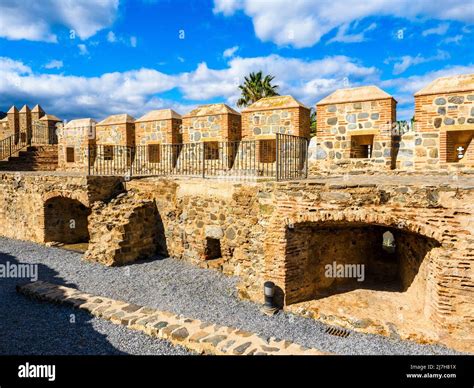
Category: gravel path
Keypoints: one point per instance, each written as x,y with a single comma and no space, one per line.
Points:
166,284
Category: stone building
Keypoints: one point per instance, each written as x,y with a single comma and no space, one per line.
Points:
444,123
270,116
73,144
29,125
205,129
157,137
114,137
354,130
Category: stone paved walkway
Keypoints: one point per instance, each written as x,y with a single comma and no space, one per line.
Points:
193,334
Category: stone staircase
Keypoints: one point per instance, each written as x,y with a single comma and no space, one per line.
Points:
33,158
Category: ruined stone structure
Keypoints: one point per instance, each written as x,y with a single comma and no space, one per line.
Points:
354,130
285,232
413,234
74,139
444,117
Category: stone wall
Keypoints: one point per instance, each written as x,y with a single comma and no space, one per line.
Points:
255,223
159,131
267,231
442,121
219,127
24,197
345,129
124,230
265,124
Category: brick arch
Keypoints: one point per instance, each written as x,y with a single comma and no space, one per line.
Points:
281,268
65,218
365,216
75,195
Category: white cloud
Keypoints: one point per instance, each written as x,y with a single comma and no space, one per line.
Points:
136,91
306,80
453,39
439,30
83,49
407,61
302,23
33,20
342,35
406,87
181,59
133,41
54,64
228,53
111,37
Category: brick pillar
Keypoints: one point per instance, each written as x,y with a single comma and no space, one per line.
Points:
25,123
14,122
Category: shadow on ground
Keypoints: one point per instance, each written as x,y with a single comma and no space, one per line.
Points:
31,327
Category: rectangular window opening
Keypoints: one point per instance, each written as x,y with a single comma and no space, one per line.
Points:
70,157
213,249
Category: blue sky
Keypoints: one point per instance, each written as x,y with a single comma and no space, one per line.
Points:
89,58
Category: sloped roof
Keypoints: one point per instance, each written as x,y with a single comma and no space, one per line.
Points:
452,84
50,118
13,109
117,119
363,93
211,109
80,123
159,114
275,102
25,108
37,108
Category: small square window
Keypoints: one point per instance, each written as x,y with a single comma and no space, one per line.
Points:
211,150
213,249
267,151
70,157
108,152
154,153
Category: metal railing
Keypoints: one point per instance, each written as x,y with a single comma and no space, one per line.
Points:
282,158
38,133
11,145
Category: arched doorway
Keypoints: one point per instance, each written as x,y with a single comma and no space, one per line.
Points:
328,258
65,221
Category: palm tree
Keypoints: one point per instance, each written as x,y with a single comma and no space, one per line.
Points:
255,87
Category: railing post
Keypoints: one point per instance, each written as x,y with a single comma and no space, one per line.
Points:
277,166
203,159
88,160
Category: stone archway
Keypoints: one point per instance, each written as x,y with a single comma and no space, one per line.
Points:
65,220
328,258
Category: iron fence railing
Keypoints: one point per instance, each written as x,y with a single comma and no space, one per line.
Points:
11,145
37,134
283,158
